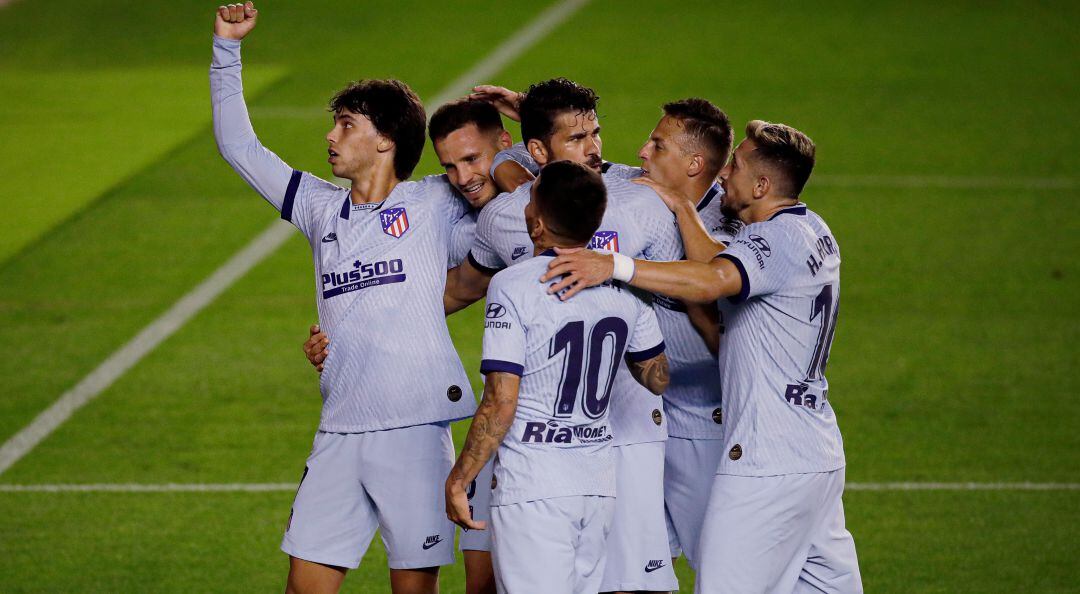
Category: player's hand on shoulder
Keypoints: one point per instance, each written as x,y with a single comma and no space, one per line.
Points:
315,347
235,21
505,100
579,268
672,198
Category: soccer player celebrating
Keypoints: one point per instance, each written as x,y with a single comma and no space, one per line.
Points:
380,251
559,122
680,160
550,370
775,519
466,135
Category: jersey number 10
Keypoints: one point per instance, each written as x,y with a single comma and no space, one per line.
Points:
606,343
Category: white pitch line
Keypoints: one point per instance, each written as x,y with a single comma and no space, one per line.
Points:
283,487
251,255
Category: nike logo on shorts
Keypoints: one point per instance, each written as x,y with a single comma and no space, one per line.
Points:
432,541
653,565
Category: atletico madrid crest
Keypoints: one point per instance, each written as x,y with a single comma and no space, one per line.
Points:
605,240
394,221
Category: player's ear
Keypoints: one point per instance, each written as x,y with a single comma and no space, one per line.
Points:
538,151
505,141
385,144
696,165
536,231
762,186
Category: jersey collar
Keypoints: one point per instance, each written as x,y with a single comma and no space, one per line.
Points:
713,191
799,209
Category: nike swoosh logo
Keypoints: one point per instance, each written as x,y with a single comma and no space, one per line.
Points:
652,569
329,238
428,545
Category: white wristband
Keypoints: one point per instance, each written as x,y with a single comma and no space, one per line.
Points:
624,267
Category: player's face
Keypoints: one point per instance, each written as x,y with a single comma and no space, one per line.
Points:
576,138
738,178
467,155
662,158
353,141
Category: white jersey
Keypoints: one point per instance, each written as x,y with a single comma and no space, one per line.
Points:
461,237
636,223
693,399
777,415
567,354
380,270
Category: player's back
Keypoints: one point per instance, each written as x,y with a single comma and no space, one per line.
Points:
567,354
772,360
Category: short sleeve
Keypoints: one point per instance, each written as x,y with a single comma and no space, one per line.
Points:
763,254
484,255
518,154
462,235
504,334
646,342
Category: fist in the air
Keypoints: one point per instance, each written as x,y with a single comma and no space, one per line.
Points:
235,21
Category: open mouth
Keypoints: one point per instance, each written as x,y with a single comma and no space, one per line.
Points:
473,188
333,155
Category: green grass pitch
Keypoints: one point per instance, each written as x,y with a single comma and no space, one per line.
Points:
948,158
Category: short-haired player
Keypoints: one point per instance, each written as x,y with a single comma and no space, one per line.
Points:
775,519
550,370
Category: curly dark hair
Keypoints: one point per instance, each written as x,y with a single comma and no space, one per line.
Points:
706,124
462,112
395,111
544,101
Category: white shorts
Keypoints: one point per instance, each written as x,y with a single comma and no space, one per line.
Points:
551,545
778,534
638,556
689,470
355,483
480,506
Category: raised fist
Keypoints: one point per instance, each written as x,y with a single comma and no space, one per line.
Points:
235,21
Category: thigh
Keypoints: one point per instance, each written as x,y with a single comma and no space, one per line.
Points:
332,519
757,532
591,555
832,565
480,506
533,544
689,470
404,472
638,554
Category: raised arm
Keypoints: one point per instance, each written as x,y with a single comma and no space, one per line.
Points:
236,139
489,426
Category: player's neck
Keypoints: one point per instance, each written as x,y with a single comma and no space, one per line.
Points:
768,208
696,187
373,185
546,243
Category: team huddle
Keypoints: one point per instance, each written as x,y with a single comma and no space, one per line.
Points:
654,345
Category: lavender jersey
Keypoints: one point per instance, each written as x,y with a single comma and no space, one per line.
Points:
777,415
380,270
462,235
636,223
567,354
693,399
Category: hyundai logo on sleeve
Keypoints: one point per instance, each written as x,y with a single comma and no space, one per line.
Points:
494,310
